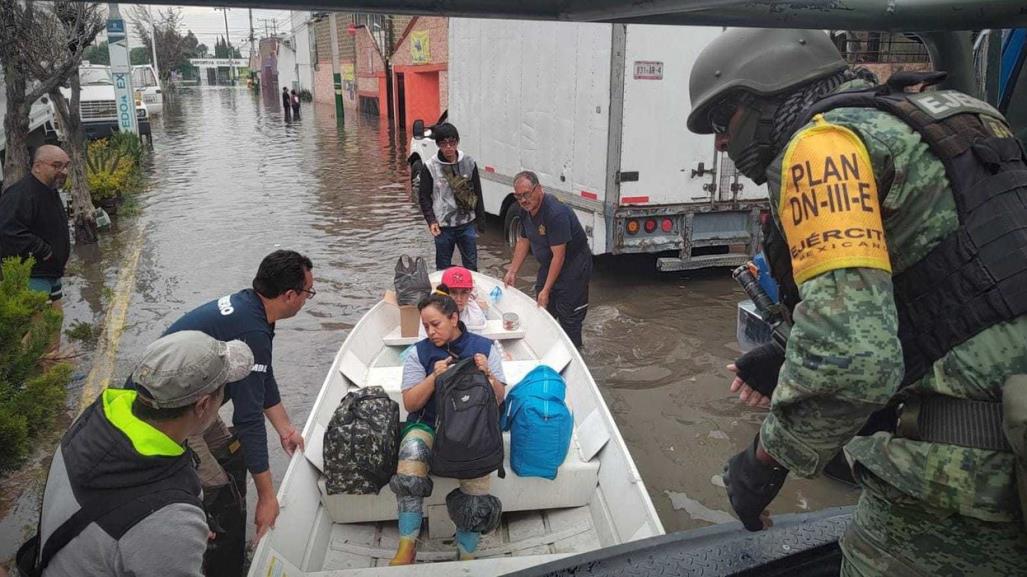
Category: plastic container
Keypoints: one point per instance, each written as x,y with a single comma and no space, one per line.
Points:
495,295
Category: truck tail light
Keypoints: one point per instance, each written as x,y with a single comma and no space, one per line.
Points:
632,226
650,225
667,225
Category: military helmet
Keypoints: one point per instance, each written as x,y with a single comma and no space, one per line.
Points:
758,60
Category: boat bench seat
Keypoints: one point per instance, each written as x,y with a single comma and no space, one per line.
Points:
573,486
391,378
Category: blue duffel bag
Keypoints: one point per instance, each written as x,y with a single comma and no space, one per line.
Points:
539,422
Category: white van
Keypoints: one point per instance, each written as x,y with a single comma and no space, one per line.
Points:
147,87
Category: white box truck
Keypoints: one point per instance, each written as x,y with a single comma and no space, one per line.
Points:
598,112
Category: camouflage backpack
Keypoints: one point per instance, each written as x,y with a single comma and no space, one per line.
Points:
361,445
463,190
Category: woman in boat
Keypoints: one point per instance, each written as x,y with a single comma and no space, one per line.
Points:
448,341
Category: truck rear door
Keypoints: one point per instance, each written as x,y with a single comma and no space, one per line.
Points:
661,161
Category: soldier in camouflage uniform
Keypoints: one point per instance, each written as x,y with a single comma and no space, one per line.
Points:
860,202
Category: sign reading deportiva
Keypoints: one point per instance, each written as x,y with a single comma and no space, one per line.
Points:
218,62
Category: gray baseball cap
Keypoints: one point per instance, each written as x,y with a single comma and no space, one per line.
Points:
180,368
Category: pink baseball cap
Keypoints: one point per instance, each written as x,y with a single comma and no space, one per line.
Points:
457,277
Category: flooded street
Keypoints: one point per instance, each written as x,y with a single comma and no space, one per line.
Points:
231,180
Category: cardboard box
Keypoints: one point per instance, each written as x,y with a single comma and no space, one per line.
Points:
409,320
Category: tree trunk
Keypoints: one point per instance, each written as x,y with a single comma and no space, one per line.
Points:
16,125
75,146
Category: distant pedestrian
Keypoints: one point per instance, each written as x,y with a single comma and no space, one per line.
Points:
33,222
286,100
450,199
123,496
295,99
552,232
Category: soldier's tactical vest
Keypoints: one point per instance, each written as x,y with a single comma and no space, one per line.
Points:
977,276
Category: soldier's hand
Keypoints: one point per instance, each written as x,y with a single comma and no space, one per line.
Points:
434,229
757,373
747,394
751,486
509,279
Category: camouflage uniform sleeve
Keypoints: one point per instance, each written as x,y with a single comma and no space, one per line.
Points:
843,359
843,362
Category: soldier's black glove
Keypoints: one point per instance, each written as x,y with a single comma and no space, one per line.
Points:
752,485
760,367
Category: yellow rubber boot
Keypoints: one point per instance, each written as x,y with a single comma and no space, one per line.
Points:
406,554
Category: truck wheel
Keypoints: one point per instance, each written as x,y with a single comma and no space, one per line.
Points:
511,224
415,179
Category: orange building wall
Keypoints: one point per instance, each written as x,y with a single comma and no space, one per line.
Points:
426,93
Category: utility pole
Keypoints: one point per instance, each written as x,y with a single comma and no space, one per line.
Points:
251,36
336,69
153,44
228,40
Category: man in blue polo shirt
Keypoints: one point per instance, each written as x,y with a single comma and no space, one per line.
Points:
552,232
282,286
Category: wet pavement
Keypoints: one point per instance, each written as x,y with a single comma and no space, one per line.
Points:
232,179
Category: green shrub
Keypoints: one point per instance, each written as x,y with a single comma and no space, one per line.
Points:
306,96
30,395
110,166
129,143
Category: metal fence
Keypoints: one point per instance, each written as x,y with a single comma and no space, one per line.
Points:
880,48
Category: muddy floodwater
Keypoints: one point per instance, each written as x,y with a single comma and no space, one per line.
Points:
232,179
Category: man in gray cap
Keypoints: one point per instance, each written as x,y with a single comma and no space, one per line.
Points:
123,496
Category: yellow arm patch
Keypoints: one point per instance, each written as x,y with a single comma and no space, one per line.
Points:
830,212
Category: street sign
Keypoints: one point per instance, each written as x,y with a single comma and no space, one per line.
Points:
115,30
121,72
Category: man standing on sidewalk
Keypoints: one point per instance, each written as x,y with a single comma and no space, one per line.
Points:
450,199
282,286
552,232
33,222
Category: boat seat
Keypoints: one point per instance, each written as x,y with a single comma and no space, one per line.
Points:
574,485
493,330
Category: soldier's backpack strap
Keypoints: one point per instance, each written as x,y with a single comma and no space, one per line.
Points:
976,277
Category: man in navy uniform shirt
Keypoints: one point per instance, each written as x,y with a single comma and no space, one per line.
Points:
282,286
552,232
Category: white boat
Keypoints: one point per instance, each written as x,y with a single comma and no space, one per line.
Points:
597,500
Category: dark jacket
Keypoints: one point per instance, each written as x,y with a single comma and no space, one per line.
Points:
127,495
33,222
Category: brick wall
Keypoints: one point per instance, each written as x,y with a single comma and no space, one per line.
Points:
438,41
369,61
324,92
399,24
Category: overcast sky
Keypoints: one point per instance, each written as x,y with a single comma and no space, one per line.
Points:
208,24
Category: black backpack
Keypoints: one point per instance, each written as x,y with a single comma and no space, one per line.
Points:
361,445
468,441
